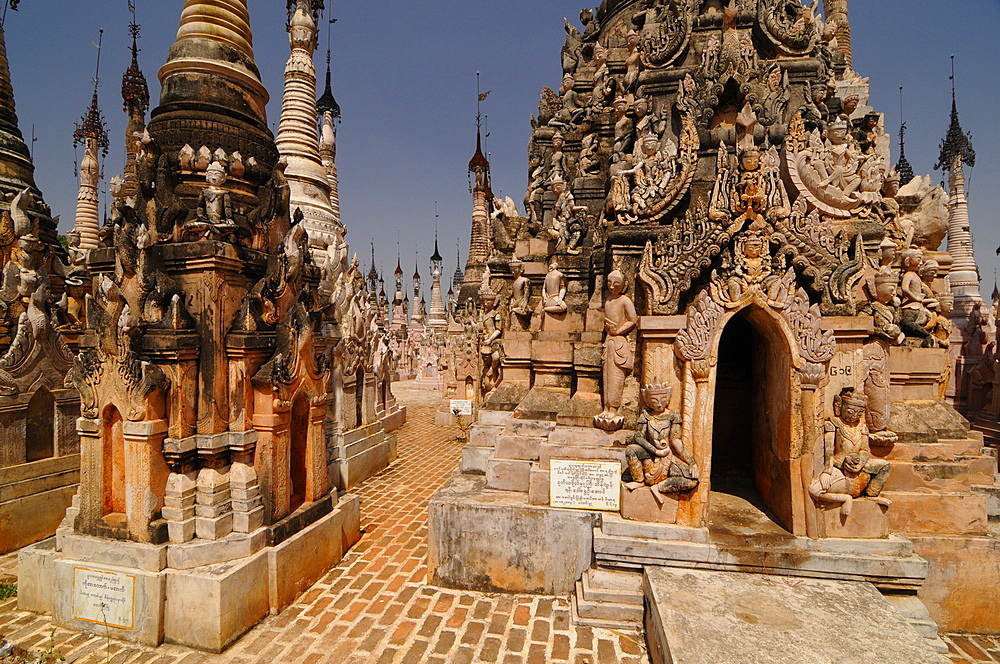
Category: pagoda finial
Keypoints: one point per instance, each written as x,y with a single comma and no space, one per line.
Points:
903,167
957,145
135,90
436,257
92,124
327,102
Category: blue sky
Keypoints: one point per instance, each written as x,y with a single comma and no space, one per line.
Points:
405,77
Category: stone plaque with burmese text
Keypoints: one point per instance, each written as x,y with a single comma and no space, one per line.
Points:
104,598
588,485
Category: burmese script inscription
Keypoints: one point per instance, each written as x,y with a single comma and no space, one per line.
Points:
591,485
105,598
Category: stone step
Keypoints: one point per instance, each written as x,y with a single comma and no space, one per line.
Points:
948,476
547,452
943,513
601,584
610,615
942,450
484,434
474,458
992,493
705,617
523,448
849,561
615,526
530,428
494,417
910,607
508,474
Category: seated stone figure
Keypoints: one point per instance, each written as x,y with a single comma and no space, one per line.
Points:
215,211
657,457
850,472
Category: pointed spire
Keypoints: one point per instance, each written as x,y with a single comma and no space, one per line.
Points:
957,145
91,133
436,257
135,89
16,169
326,101
459,275
903,166
135,96
479,160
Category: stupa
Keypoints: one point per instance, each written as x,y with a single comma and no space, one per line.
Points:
713,340
223,373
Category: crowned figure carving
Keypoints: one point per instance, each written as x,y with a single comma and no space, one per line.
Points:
834,174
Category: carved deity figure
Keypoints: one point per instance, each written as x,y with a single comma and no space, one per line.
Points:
647,121
215,209
851,471
490,333
620,319
557,160
590,154
77,255
835,175
564,211
554,290
887,332
657,456
571,48
623,128
73,305
650,180
520,291
572,107
915,317
633,61
604,83
535,192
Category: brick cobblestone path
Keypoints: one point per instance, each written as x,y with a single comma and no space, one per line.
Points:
376,606
972,649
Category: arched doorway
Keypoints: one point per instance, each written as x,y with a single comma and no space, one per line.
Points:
39,429
114,467
359,398
751,428
298,442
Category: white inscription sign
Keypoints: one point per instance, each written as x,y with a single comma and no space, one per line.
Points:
461,406
588,485
105,598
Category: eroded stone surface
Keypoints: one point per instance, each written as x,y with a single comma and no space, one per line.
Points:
700,617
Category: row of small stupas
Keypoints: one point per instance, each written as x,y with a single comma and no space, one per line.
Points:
207,360
719,288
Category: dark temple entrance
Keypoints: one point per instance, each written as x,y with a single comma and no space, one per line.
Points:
751,423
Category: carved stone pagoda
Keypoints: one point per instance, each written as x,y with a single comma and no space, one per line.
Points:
39,448
715,293
232,384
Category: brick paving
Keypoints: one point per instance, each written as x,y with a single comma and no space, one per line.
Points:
972,649
376,606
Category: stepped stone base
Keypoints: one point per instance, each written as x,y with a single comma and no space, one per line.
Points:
205,607
700,617
360,454
608,598
489,540
33,499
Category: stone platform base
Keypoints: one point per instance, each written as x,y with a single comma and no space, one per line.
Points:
490,540
33,499
206,607
360,454
393,419
701,617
